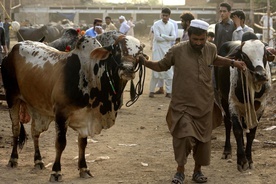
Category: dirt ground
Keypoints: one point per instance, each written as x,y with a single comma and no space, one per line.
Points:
137,150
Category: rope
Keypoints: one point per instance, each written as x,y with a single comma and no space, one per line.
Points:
5,12
248,103
139,86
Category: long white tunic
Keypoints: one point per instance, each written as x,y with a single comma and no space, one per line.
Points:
164,34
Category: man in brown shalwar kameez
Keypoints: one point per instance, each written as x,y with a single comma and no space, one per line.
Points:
190,112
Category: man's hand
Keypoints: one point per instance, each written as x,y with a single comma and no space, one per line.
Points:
240,65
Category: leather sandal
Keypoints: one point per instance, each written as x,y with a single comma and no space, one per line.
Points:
178,178
198,177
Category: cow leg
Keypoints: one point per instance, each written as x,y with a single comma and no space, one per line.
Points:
248,150
60,144
227,152
39,164
39,125
19,134
84,172
242,162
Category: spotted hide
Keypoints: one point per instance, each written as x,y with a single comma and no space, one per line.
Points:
243,96
80,89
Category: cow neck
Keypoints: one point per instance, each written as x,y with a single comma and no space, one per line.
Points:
111,82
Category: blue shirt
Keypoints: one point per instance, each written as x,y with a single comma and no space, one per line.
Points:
91,32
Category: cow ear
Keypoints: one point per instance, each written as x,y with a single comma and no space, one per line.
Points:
270,57
270,53
99,54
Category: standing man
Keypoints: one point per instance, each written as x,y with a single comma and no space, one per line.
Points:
6,26
186,18
160,83
96,29
238,18
109,25
124,27
189,116
224,29
131,25
265,21
164,35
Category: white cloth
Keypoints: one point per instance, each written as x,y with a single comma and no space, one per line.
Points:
175,29
124,28
199,24
267,22
164,34
237,34
131,30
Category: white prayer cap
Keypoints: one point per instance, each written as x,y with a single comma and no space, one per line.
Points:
122,17
199,24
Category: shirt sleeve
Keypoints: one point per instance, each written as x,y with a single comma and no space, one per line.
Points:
168,60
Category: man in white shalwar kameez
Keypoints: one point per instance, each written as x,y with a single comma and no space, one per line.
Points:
164,34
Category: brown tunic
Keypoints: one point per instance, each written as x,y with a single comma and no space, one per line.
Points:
192,91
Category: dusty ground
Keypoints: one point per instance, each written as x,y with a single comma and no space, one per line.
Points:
137,150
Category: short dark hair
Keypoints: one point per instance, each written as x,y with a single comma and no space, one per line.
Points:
226,5
97,20
166,10
107,17
196,31
187,16
212,34
238,13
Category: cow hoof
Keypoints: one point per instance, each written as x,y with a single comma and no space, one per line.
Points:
226,156
55,177
39,165
251,166
243,167
12,163
85,173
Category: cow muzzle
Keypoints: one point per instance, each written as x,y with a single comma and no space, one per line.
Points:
260,75
127,68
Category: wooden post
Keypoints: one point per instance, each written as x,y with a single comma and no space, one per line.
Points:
251,16
268,21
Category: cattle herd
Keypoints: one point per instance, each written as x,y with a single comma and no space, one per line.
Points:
82,89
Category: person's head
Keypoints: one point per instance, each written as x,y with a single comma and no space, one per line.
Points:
97,22
6,19
165,14
225,11
107,20
122,19
210,36
186,18
238,14
198,34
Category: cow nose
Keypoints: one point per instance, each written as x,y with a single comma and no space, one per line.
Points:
260,74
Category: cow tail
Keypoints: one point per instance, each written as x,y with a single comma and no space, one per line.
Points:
22,138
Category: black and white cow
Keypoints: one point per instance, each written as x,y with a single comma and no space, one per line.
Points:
67,41
80,89
243,95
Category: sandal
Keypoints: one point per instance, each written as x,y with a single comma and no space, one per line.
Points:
178,178
198,177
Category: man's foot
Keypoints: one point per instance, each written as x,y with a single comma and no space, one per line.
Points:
151,95
160,91
168,95
198,177
178,178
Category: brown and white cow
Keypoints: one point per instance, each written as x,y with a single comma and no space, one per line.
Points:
80,89
243,95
